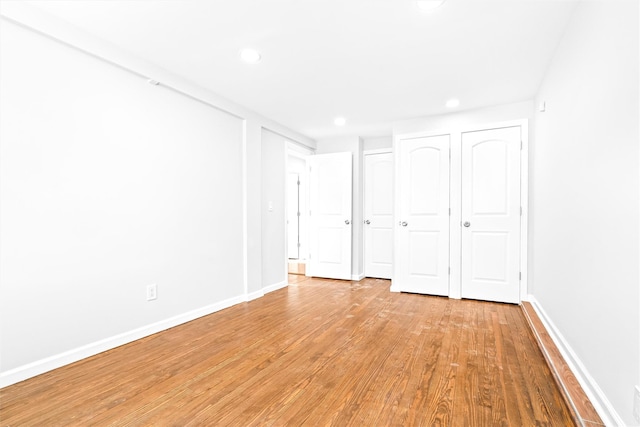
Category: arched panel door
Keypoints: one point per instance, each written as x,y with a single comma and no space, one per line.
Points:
422,255
491,214
330,182
378,215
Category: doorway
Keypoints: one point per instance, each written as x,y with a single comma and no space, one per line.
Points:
296,211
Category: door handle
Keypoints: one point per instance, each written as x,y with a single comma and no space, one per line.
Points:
466,224
346,221
403,223
366,221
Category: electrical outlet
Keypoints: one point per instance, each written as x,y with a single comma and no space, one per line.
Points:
636,404
152,292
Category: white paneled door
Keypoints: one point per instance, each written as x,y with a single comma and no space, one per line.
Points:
421,257
491,212
378,215
330,183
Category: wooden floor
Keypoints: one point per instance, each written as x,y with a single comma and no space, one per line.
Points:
319,352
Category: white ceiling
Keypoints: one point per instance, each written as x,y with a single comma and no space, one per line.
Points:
371,61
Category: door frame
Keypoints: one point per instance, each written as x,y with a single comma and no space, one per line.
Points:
366,153
455,232
295,150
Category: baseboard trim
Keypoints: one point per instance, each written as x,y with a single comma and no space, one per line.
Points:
59,360
254,295
597,397
357,277
275,287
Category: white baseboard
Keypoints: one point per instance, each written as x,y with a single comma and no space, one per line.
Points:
598,399
275,287
53,362
254,295
357,277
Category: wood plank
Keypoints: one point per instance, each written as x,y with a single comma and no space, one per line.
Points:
319,352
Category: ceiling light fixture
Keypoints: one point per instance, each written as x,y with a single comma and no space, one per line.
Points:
429,5
339,121
250,56
452,103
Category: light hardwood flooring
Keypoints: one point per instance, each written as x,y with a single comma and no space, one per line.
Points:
320,352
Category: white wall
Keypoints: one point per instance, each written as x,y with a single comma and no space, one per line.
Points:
377,143
466,119
274,172
586,175
351,144
108,184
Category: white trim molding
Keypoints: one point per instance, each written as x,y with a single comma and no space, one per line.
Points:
597,397
250,296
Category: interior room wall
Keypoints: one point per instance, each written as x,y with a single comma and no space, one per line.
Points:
586,199
273,208
467,118
354,145
109,184
377,143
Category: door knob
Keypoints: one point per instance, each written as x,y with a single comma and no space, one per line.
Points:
346,221
403,223
366,221
467,224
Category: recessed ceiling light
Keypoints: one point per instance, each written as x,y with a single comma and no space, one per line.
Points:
429,5
250,56
452,103
339,121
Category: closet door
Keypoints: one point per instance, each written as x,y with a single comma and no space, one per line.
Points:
330,182
378,215
491,212
421,258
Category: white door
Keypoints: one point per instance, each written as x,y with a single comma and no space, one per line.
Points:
293,215
491,214
421,260
378,215
330,182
